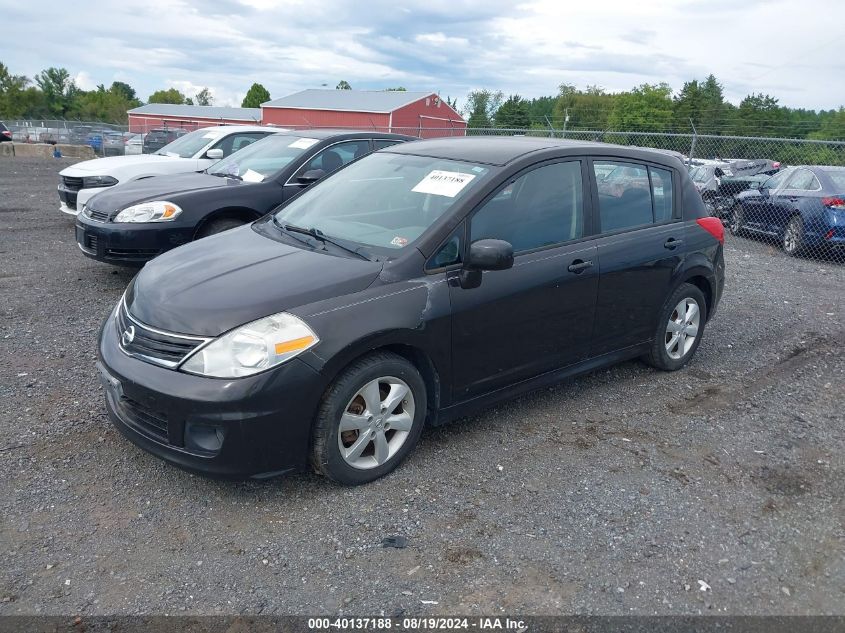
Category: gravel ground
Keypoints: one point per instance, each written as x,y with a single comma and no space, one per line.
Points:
716,489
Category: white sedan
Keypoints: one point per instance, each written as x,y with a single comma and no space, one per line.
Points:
192,152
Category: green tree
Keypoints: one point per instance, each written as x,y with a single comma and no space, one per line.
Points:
255,96
760,115
171,95
513,113
832,127
58,88
481,106
124,89
203,97
12,93
343,85
645,108
587,109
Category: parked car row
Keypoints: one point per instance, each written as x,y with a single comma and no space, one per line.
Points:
351,287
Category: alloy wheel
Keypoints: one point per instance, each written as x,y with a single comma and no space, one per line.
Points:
376,422
682,328
792,235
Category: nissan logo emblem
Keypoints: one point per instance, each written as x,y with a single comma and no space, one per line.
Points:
128,336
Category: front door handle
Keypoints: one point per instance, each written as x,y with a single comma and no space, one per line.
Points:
579,266
672,243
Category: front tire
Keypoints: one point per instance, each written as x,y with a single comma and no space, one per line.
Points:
679,329
218,226
793,236
369,420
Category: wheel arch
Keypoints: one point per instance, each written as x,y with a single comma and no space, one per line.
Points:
241,213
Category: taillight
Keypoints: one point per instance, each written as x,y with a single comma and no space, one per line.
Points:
834,203
829,235
714,227
7,133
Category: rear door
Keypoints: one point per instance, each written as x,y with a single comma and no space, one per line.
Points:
786,201
536,316
640,246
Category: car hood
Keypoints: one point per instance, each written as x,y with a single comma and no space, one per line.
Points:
159,188
210,286
109,166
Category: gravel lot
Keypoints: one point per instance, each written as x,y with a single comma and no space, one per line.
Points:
716,489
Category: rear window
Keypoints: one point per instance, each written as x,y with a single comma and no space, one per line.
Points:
838,178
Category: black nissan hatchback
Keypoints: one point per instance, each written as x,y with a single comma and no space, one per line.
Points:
131,223
410,288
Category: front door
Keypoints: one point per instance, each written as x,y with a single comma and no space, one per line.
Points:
536,316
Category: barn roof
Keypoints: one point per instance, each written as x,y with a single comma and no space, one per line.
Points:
196,111
377,101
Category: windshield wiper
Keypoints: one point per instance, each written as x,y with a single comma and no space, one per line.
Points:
319,235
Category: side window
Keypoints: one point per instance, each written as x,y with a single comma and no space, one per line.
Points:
544,206
624,196
777,180
234,142
661,192
336,156
804,180
449,253
381,143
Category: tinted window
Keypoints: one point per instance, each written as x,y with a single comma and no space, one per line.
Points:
804,179
449,253
661,191
544,206
624,196
381,143
336,156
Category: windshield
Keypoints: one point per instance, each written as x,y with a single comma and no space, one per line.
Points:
702,174
187,146
262,159
383,200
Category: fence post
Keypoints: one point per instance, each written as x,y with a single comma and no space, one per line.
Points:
551,127
692,145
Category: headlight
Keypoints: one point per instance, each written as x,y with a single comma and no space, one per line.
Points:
156,211
253,347
98,181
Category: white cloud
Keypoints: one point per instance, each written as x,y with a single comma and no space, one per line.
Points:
84,81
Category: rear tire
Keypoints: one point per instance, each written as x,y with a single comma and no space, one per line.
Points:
679,329
793,236
218,226
381,401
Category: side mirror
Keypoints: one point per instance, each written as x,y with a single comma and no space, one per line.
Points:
485,255
215,154
310,176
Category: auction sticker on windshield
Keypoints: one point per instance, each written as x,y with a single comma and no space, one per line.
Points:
303,143
252,176
443,183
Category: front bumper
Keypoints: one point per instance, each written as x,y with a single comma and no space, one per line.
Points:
258,426
126,244
71,201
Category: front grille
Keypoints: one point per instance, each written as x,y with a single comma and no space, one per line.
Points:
154,422
72,183
151,345
99,216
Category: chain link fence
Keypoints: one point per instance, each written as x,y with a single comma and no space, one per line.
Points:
787,192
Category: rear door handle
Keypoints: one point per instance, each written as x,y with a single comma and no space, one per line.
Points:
579,266
672,243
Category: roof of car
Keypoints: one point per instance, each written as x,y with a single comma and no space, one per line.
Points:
501,150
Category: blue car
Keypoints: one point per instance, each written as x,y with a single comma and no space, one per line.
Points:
802,207
95,140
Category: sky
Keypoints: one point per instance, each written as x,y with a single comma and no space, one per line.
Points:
784,48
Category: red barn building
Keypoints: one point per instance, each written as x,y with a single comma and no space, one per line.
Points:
188,117
422,114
